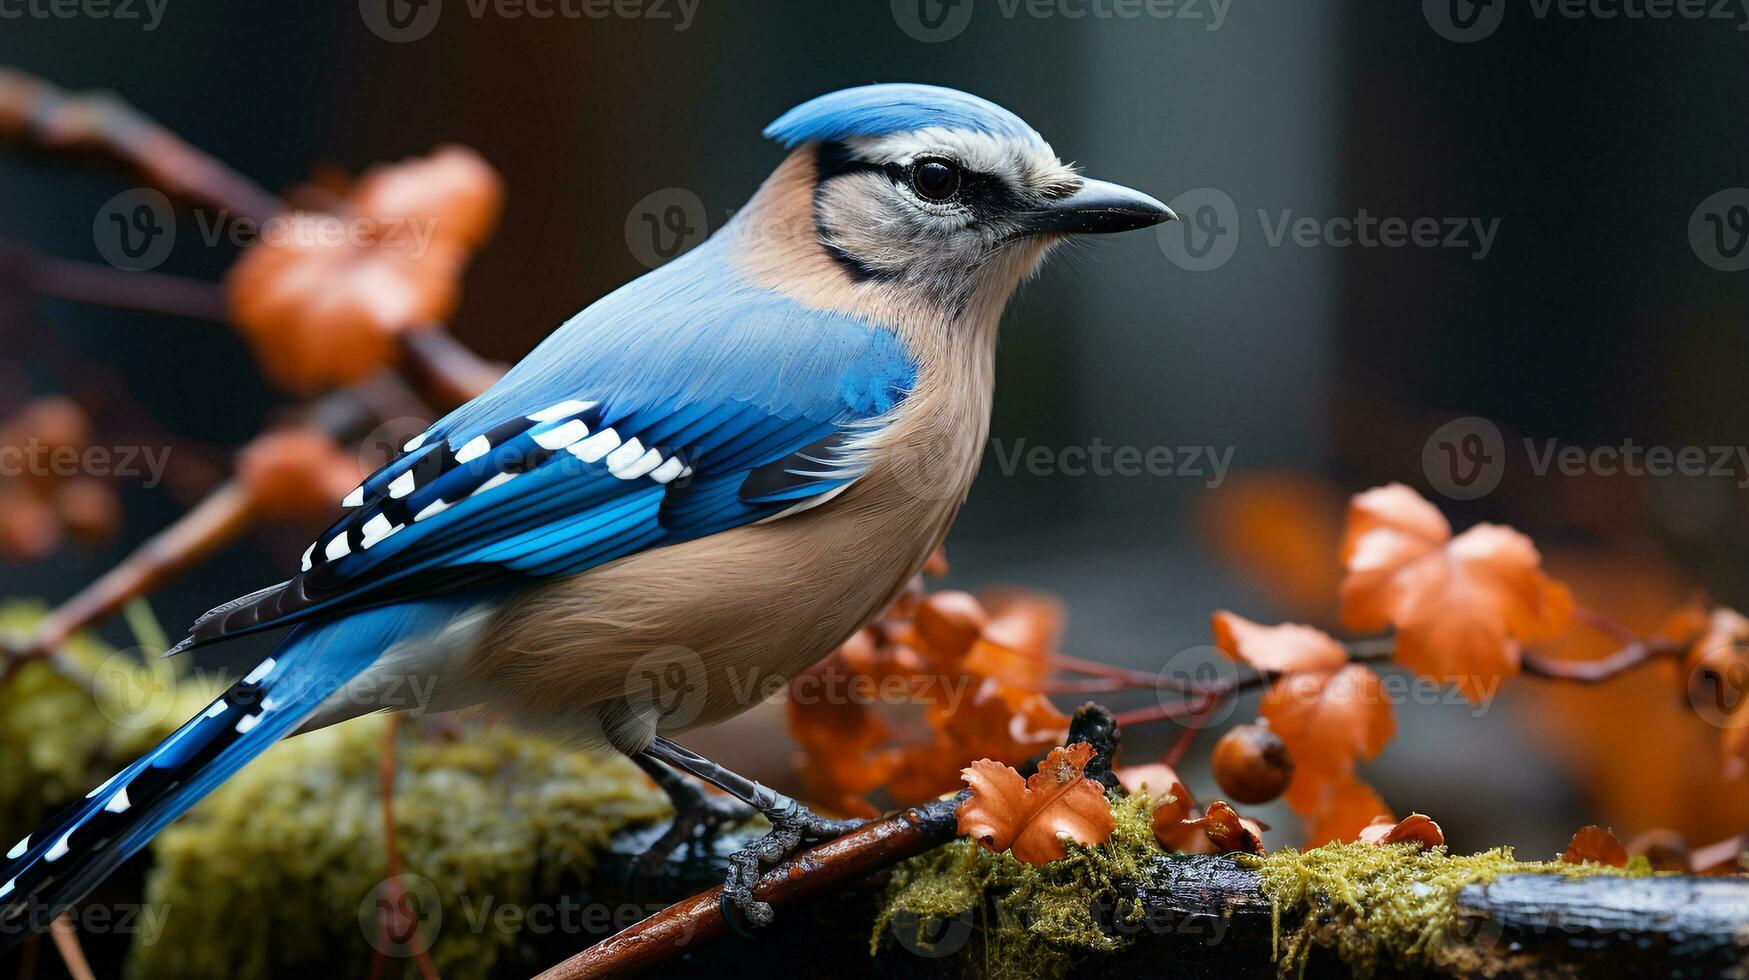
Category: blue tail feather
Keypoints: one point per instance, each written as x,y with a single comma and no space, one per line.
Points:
59,862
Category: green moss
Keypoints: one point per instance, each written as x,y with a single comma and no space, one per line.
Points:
1389,904
1371,904
273,873
56,742
1004,918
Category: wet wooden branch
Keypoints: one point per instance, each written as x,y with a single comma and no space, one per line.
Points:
685,926
1205,915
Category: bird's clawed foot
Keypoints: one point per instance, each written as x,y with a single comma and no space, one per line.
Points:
698,818
792,826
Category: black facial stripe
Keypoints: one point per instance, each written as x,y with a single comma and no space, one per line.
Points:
988,196
833,160
858,270
836,159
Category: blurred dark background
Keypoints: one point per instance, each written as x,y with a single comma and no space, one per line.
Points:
1591,316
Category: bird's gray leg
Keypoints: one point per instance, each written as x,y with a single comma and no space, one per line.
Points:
698,815
791,825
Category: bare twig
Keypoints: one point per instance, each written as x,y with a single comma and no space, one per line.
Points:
67,944
218,519
387,767
99,285
443,369
100,125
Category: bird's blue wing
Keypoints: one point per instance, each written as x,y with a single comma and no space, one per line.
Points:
623,431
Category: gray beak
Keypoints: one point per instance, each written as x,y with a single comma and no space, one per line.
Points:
1097,208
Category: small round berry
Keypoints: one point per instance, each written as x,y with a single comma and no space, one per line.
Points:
1252,764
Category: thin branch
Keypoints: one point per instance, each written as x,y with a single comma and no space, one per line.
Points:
102,126
447,372
67,944
100,285
387,767
221,517
214,522
1632,655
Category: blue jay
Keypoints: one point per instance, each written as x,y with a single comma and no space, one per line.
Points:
698,486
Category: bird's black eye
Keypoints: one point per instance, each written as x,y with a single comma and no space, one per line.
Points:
935,179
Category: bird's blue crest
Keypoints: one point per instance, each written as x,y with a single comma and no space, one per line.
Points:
880,110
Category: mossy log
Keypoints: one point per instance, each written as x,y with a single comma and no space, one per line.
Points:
1205,916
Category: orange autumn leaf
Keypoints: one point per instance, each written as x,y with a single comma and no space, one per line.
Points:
1031,817
1593,843
1002,722
949,622
840,740
1276,649
1173,805
40,507
1329,719
1278,530
1229,831
1335,811
297,473
453,189
1461,606
323,299
1416,828
1017,641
